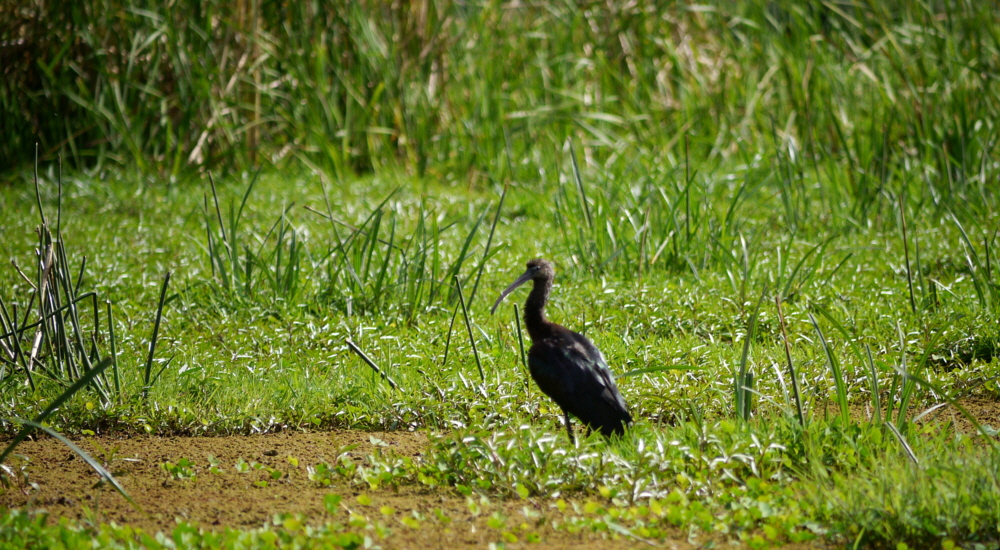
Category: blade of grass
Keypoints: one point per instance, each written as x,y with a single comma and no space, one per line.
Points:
152,340
902,441
38,196
743,384
101,471
876,397
447,341
114,352
791,367
489,241
988,435
520,337
579,186
906,254
909,382
354,347
468,326
65,396
838,375
664,368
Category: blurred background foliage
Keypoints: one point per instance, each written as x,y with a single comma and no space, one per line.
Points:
451,88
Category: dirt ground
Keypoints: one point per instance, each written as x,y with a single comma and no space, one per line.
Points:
986,411
55,479
64,486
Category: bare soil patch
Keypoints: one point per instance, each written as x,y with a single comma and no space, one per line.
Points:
985,411
56,480
64,486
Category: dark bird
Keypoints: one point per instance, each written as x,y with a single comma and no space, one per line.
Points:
565,365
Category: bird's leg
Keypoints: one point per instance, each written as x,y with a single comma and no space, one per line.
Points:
569,429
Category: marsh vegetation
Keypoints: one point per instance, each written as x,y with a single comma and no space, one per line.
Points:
778,223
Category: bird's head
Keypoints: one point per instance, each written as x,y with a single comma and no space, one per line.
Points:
540,271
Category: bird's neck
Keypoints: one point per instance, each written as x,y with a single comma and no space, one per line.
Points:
534,311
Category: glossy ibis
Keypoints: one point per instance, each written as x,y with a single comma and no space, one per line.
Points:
565,365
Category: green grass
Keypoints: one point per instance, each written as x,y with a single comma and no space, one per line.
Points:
22,530
682,166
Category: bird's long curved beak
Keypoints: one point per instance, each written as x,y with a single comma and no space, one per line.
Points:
525,277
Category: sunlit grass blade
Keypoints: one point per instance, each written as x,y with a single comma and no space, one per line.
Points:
876,394
838,376
909,375
989,435
791,368
987,291
743,383
902,442
463,254
486,250
663,368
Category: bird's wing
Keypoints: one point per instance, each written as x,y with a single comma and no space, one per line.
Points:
571,370
599,366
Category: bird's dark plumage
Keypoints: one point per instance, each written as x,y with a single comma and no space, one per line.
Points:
565,365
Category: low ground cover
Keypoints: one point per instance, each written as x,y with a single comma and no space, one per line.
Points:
780,228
